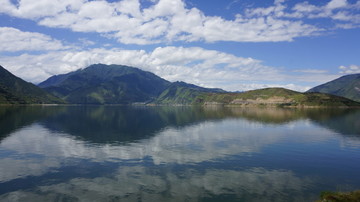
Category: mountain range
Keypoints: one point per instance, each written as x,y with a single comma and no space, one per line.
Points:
118,84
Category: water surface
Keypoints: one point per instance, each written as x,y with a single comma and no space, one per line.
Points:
112,153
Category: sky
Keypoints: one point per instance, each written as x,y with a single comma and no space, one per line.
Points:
235,45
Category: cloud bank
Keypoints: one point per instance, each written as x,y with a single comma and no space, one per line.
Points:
130,22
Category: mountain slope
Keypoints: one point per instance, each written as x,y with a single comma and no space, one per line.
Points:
183,93
106,84
14,90
347,86
280,97
261,97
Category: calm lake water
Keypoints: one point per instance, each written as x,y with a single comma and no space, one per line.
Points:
112,153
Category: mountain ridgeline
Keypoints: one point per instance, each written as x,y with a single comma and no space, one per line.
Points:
279,97
346,86
118,84
14,90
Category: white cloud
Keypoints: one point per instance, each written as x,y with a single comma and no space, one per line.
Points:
86,42
313,71
295,87
37,9
343,14
336,4
12,39
129,7
170,20
352,69
96,10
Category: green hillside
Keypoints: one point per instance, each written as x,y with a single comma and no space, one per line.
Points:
347,86
106,84
263,97
183,93
14,90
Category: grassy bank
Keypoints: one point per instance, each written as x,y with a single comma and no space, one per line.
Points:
340,196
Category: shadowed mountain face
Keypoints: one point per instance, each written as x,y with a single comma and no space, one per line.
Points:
14,90
347,86
106,84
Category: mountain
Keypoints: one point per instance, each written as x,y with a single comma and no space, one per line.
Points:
14,90
106,84
346,86
262,97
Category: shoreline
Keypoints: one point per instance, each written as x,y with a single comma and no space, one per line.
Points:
194,105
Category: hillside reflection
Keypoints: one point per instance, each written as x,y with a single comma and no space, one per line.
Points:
111,124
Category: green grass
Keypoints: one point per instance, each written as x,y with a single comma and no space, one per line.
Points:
340,196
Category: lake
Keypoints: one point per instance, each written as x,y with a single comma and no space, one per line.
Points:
117,153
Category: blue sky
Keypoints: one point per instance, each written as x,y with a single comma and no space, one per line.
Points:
232,44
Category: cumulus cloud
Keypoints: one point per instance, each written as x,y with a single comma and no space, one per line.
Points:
352,69
38,9
12,39
172,20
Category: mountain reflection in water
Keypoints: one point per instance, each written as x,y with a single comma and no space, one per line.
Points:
105,153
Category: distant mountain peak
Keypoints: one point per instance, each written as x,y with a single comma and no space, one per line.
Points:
106,84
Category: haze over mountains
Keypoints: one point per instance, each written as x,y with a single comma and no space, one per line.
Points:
118,84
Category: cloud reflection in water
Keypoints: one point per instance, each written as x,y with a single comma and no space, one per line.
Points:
189,162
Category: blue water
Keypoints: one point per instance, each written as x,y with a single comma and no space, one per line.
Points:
115,153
